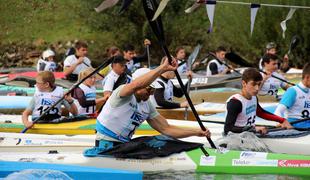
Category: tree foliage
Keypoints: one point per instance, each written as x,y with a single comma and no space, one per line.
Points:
52,20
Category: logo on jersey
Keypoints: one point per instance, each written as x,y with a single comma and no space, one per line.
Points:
250,109
137,117
47,102
272,86
307,104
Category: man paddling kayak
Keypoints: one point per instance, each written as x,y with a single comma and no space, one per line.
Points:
242,108
270,85
296,101
129,106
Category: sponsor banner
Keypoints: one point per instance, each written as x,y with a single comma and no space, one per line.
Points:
254,162
207,161
294,163
253,155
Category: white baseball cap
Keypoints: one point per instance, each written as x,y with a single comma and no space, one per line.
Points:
48,53
143,71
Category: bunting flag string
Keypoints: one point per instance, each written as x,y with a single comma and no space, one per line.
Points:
288,17
254,9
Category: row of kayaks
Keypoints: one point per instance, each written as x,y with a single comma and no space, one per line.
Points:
277,143
67,150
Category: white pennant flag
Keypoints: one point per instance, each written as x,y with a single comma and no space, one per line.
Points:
254,9
210,6
288,17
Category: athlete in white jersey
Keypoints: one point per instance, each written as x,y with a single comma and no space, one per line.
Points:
116,77
271,48
76,63
295,103
129,106
47,62
217,66
85,95
46,95
270,84
243,108
163,96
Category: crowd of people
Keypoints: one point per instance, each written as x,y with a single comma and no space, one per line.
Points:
131,93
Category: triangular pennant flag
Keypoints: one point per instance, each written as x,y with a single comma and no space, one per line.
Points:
210,6
288,17
254,9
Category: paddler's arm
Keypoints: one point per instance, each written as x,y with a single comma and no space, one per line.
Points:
272,117
234,107
160,124
69,68
25,115
148,78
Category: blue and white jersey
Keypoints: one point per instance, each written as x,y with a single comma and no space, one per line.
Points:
48,65
121,116
271,85
297,101
130,66
220,67
90,94
168,91
248,113
44,100
183,68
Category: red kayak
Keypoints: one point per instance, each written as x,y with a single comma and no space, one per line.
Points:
33,74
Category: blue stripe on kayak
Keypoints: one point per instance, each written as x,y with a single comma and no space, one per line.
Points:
75,172
14,102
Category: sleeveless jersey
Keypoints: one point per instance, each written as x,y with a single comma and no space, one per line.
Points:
183,68
121,122
220,67
248,113
49,65
168,93
90,94
44,100
271,85
130,65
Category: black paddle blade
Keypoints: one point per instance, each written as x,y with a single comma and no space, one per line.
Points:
294,42
125,5
235,58
150,7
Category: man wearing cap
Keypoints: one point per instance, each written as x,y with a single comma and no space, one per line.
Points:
129,106
116,77
271,48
